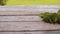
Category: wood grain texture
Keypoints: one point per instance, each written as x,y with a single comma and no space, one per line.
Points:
14,19
26,12
20,18
27,26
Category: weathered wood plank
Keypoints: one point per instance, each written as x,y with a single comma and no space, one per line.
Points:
32,6
20,18
26,12
19,13
20,26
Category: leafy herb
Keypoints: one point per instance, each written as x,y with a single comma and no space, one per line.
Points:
52,18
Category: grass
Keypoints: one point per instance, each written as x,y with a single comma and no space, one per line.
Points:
33,2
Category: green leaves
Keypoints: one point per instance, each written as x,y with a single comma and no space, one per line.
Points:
52,18
3,2
58,12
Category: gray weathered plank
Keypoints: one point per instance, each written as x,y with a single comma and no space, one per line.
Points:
26,12
19,26
20,18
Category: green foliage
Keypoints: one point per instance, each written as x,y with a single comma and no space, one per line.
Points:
52,18
58,12
3,2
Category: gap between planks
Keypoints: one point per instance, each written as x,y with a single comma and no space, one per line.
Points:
29,30
22,15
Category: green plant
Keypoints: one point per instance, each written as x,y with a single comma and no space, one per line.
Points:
58,13
3,2
52,18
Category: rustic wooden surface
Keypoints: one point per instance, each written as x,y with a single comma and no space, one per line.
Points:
24,20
